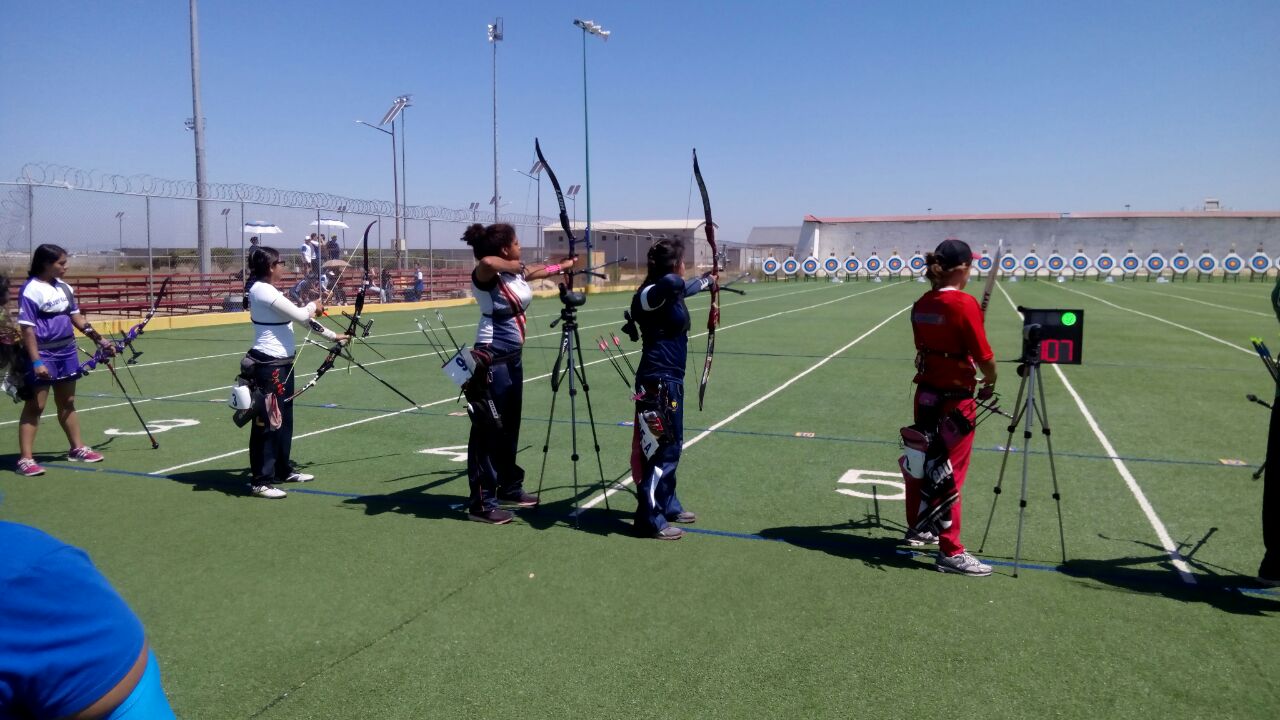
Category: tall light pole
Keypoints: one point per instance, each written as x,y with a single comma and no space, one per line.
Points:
120,228
495,36
535,174
226,229
404,100
197,126
593,29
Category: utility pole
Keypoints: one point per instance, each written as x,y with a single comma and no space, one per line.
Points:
495,36
197,126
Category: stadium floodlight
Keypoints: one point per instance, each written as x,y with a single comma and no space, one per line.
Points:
594,29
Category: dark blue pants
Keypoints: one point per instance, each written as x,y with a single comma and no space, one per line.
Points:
1271,499
491,453
655,476
269,449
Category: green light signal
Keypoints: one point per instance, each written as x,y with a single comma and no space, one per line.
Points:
1069,319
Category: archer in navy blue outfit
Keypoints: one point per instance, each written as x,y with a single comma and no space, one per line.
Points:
658,309
495,391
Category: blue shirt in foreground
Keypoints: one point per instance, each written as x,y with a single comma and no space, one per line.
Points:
66,636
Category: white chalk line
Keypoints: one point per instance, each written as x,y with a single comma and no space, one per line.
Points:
1193,300
705,433
1160,319
139,401
528,380
1166,541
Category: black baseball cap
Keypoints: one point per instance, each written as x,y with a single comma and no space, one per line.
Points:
953,253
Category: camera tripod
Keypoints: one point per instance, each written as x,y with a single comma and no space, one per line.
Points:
1028,411
569,364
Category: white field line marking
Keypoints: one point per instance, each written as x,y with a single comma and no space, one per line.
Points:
1247,351
137,401
464,325
1220,291
1184,571
377,362
140,401
1199,302
528,380
705,433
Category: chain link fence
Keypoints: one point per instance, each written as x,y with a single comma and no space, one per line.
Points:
128,224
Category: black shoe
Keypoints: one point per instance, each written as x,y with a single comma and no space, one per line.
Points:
496,516
519,498
684,516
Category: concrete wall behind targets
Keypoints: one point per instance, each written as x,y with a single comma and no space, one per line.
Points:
1216,231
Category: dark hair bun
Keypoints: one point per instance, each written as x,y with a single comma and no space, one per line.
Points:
473,234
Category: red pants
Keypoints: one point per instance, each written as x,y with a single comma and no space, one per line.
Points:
958,451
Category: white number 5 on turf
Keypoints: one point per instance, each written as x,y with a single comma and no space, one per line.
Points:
872,477
156,426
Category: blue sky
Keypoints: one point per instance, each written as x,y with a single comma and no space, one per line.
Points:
840,108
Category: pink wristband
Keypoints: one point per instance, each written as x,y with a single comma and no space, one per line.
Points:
552,269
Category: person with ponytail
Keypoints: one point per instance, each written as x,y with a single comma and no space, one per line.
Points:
951,347
659,310
47,318
496,389
268,368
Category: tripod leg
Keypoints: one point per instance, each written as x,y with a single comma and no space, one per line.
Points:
591,415
1028,415
570,330
551,418
1004,461
1042,412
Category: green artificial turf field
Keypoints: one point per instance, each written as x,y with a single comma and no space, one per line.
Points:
368,594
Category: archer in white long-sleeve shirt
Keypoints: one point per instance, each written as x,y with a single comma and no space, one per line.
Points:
269,367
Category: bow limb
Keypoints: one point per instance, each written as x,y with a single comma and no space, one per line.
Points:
564,214
119,345
336,349
713,314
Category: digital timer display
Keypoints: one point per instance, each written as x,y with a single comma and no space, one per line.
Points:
1060,334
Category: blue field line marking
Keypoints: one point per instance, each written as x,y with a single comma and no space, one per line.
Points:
756,433
1260,592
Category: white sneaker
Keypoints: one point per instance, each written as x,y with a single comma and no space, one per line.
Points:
962,564
918,539
299,477
270,492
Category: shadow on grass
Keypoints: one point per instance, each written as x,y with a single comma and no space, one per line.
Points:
234,483
838,540
1154,574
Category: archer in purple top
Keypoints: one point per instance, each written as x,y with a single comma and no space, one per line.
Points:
47,317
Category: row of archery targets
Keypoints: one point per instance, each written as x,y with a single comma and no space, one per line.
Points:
1031,264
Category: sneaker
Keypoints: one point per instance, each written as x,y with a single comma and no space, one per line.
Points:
669,533
920,538
299,477
1266,575
684,516
962,564
84,454
496,516
28,468
519,498
271,492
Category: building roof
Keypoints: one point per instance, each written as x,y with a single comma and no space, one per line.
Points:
1048,216
607,225
773,235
